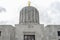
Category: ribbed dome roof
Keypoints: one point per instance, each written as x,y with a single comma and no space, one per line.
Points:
29,14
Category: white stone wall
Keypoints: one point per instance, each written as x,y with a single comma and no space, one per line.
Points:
35,29
7,32
51,32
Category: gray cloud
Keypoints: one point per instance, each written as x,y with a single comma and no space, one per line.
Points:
52,14
2,9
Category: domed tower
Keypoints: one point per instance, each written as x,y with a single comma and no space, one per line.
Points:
29,27
29,14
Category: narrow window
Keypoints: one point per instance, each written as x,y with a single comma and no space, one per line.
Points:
29,37
59,39
0,33
58,33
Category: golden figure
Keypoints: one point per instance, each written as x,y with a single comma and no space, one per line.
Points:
29,3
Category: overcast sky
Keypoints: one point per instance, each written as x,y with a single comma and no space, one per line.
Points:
49,10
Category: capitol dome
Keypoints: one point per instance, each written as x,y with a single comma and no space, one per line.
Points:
29,14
